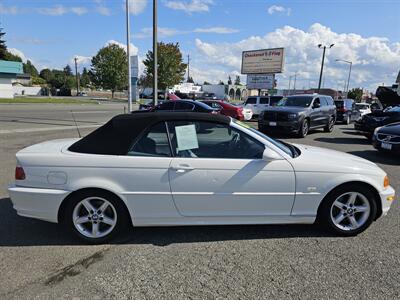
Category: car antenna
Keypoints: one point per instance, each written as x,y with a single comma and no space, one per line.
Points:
76,125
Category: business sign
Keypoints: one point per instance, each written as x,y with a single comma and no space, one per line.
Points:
267,61
260,81
134,66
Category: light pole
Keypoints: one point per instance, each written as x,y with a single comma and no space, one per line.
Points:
128,41
155,64
294,85
322,64
348,79
77,76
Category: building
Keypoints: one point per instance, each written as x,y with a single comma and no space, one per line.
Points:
8,72
186,88
226,91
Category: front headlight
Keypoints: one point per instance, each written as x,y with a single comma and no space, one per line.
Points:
376,130
292,116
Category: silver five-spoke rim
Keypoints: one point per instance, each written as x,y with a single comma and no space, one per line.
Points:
94,217
305,127
350,211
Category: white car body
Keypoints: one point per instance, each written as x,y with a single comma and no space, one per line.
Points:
193,191
364,110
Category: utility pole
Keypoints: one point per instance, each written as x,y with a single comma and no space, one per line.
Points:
322,64
188,77
348,78
155,63
128,41
290,81
77,76
295,77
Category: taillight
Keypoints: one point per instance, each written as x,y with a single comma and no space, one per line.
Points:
341,109
19,173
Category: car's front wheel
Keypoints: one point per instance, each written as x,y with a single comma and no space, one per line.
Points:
304,128
348,210
330,125
95,216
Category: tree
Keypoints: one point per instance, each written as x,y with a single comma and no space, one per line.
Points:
221,82
68,70
171,68
229,80
144,81
206,83
85,78
190,79
12,57
355,94
237,80
38,81
29,68
47,75
3,47
110,68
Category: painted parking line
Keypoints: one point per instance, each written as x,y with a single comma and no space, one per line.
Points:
32,130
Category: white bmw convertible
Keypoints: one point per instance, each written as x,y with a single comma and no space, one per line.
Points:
169,169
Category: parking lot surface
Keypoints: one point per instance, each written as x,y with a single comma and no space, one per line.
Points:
40,260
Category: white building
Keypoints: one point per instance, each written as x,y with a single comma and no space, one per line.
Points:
8,72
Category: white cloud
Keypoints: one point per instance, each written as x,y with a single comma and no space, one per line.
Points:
137,6
81,60
132,48
221,30
17,52
8,10
279,9
190,6
373,57
161,31
105,11
59,10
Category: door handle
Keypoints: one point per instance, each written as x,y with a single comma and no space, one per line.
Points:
182,168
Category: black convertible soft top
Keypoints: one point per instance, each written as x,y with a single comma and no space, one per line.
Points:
117,135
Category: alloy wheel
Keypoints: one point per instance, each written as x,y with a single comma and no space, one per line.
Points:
350,211
94,217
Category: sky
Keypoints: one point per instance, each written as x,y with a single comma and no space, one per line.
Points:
214,33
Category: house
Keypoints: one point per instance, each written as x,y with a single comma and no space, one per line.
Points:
8,72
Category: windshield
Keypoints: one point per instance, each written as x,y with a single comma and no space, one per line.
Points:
284,147
251,100
394,109
362,106
299,101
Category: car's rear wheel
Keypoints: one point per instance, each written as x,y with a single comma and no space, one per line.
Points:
330,125
95,217
348,210
304,128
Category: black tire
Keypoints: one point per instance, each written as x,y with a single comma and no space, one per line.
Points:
330,125
325,211
304,128
119,209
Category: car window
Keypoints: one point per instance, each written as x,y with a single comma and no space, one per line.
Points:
166,106
316,100
184,106
339,103
212,140
264,100
251,100
273,101
153,143
330,101
323,101
297,101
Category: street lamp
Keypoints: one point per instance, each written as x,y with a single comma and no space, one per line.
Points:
128,35
323,61
348,79
155,63
290,80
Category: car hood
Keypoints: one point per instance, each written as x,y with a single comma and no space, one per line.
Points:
393,129
316,159
286,109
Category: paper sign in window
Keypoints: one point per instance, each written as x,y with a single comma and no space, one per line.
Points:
186,137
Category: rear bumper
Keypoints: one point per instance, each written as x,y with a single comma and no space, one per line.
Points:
378,145
388,192
37,203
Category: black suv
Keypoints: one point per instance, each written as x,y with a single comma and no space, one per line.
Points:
346,111
298,114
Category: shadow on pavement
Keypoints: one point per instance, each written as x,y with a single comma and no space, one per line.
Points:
343,140
17,231
378,157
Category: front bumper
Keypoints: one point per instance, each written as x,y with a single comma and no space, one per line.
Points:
378,145
388,192
37,203
285,126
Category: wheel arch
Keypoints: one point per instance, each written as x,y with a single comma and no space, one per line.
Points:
367,185
61,215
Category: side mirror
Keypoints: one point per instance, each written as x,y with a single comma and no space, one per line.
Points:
316,105
270,154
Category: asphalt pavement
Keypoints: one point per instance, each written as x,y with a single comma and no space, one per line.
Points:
40,260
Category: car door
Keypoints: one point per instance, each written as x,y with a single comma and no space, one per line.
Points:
219,171
144,177
264,103
316,115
